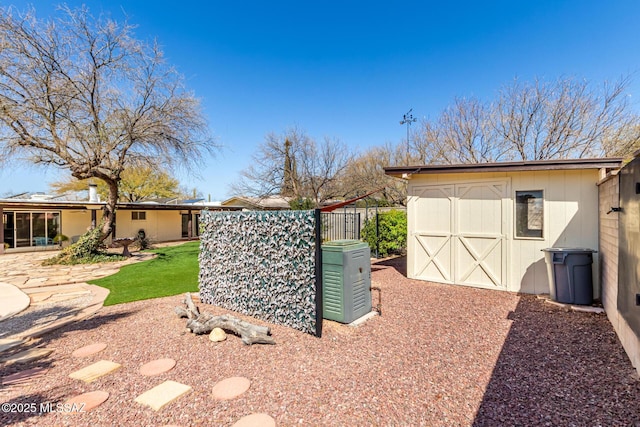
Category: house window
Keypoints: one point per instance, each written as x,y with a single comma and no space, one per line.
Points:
138,215
529,214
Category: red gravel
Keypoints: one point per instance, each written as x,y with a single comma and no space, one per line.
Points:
439,356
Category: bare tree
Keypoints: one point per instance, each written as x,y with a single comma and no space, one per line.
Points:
622,141
365,173
467,134
295,164
81,93
566,118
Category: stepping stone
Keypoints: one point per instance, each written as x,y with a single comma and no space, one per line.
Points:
23,376
95,371
87,401
89,350
40,298
28,355
63,297
231,388
163,394
256,420
157,367
12,300
8,343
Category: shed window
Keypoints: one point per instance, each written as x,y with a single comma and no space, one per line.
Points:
529,214
138,215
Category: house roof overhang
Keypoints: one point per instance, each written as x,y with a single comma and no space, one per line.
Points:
49,205
533,165
258,203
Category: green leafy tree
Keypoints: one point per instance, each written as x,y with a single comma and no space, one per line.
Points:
136,184
390,235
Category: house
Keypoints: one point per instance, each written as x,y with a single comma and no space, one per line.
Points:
485,225
267,203
31,222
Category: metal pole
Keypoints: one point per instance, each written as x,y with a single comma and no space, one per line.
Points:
344,225
318,256
408,119
366,213
353,223
377,232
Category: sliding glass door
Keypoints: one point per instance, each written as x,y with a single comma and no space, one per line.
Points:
8,219
25,229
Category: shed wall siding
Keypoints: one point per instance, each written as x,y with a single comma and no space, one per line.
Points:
570,219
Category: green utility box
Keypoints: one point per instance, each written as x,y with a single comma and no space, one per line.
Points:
346,280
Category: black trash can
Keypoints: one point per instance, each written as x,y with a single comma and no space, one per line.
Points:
570,274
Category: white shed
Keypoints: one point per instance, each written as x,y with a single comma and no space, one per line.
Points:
485,225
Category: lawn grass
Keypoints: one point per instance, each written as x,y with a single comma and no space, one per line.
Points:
172,272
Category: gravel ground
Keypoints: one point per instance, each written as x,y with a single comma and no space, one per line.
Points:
438,356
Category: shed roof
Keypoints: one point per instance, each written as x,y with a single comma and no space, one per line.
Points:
529,165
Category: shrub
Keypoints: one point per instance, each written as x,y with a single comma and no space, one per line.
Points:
392,233
87,250
301,204
142,240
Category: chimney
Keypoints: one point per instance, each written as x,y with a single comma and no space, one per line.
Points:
93,193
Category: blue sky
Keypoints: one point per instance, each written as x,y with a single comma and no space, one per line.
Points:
351,69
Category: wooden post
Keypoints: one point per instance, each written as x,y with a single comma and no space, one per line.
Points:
1,231
189,225
93,218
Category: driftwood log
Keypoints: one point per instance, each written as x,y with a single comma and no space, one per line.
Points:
204,323
191,312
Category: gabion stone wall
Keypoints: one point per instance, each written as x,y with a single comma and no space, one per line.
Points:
261,264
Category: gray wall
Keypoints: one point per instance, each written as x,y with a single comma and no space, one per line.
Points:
619,239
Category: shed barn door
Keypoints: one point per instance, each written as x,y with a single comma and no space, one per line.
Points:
480,237
432,231
460,233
